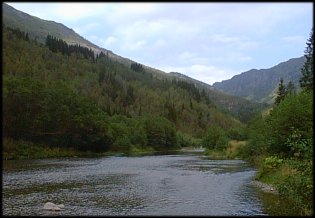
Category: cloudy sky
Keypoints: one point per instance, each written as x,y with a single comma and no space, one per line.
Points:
210,42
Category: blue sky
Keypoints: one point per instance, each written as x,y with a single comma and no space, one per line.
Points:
210,42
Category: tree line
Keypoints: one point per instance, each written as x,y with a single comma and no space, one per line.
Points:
59,45
284,137
70,101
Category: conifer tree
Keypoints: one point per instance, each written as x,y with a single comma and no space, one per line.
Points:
281,93
306,82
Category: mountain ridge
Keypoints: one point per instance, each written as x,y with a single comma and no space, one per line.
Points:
39,28
19,19
261,85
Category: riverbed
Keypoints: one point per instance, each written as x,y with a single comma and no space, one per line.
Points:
183,183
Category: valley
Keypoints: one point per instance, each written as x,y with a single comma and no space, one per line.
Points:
70,104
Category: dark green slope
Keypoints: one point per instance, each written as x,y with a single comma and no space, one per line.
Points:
66,100
239,107
39,29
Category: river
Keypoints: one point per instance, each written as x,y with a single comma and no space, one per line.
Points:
183,183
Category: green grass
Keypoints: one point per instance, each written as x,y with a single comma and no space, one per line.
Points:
233,151
216,154
19,149
292,178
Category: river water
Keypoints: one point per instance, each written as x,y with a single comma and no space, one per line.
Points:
173,184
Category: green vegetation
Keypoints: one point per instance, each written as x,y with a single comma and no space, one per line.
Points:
221,144
118,66
280,145
306,81
233,150
59,96
215,138
58,45
19,149
280,142
280,93
38,29
263,89
61,100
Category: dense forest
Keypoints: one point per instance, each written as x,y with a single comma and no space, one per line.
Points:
281,141
67,97
63,95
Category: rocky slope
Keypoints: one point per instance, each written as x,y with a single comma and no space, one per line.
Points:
261,85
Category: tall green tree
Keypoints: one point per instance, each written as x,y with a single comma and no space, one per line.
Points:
306,82
160,132
281,93
216,138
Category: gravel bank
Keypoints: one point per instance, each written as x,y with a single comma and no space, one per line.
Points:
265,187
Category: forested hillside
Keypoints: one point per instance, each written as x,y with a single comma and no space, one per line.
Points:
38,29
239,107
61,95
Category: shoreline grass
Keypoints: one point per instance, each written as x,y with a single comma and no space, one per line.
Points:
21,150
291,178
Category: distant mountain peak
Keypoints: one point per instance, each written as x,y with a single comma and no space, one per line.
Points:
260,85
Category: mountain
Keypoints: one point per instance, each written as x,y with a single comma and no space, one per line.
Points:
39,29
239,107
261,85
191,80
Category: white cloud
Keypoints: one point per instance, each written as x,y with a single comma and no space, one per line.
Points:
159,44
109,41
78,11
139,45
86,28
208,41
186,56
294,39
237,57
63,12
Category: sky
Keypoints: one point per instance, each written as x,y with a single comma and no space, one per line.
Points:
209,42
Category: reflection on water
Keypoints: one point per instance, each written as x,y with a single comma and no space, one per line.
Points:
173,184
277,205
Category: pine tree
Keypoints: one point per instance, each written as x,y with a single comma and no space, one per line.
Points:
281,93
306,82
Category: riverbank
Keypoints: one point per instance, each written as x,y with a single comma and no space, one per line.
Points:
265,187
19,150
233,151
290,178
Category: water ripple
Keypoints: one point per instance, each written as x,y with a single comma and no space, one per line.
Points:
146,185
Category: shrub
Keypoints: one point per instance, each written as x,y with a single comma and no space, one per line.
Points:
300,147
215,138
160,133
298,187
